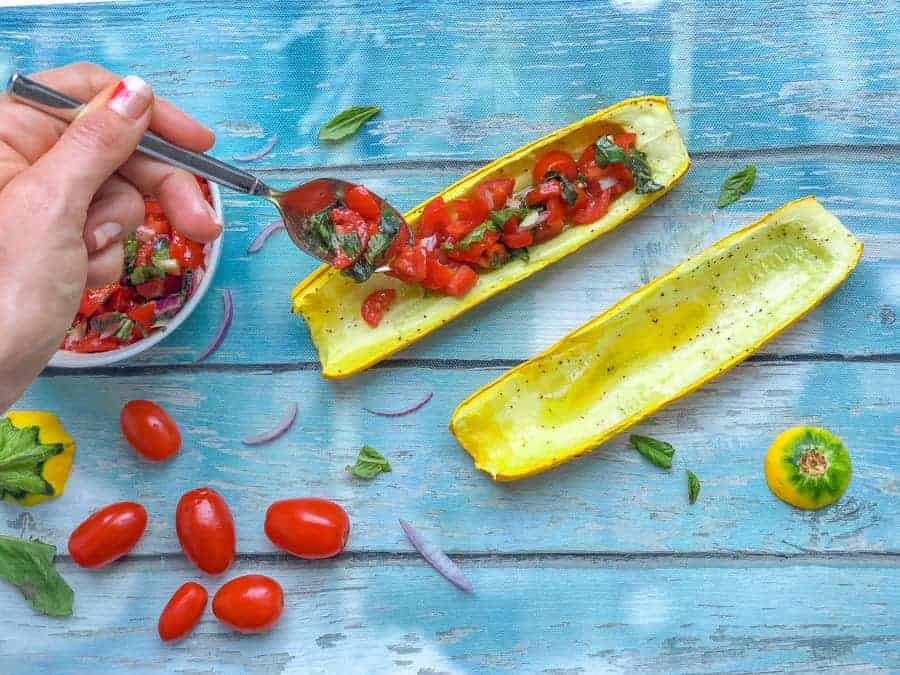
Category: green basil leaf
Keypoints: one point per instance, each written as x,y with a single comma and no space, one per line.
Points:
640,171
347,123
569,193
369,464
379,243
520,254
145,273
131,250
736,185
124,332
607,152
22,458
693,486
28,565
658,452
108,323
499,218
476,235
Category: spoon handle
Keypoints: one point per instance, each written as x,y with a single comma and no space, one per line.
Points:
51,101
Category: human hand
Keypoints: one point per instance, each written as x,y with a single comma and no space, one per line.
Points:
68,196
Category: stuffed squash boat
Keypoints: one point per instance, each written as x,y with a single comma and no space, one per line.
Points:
657,344
529,222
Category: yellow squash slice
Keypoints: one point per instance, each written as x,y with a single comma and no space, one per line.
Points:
330,302
657,344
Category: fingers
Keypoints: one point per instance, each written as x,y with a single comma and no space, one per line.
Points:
85,80
117,209
98,142
178,194
105,266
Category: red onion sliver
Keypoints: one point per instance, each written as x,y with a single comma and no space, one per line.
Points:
259,154
223,329
436,558
277,432
405,411
267,232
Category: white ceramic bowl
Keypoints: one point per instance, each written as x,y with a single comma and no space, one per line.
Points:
66,359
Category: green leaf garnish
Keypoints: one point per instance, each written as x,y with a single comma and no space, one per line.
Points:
499,218
28,565
736,185
693,486
131,250
379,243
476,235
640,171
348,122
22,458
569,193
607,152
145,273
520,254
658,452
369,464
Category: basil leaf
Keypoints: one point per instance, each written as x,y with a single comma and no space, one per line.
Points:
476,235
569,193
22,458
640,171
499,218
145,273
347,123
108,323
379,243
693,486
369,464
320,230
607,152
658,452
124,332
28,565
736,185
520,254
131,250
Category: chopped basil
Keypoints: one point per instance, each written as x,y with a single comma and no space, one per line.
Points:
131,250
145,273
607,152
22,458
320,229
379,243
369,464
28,565
736,185
347,122
569,193
520,254
693,486
658,452
640,171
477,235
108,323
500,217
124,332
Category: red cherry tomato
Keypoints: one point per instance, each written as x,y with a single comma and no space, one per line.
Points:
92,299
410,265
108,534
150,430
438,274
250,604
543,192
151,289
187,252
558,161
462,281
595,209
182,612
376,304
92,343
491,195
464,217
144,315
513,237
625,141
363,202
308,527
434,218
205,529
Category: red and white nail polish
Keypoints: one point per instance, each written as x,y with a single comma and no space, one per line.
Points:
130,98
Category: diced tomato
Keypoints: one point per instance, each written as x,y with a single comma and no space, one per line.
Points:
491,195
435,218
556,220
376,304
463,218
464,277
152,207
594,209
363,202
543,192
93,299
158,223
519,239
493,256
558,161
581,200
153,288
400,243
144,315
625,141
410,265
438,275
122,300
348,221
92,343
187,252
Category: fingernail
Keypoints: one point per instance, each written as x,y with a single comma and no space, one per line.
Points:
130,98
212,213
105,234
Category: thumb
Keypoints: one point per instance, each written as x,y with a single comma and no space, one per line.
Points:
102,137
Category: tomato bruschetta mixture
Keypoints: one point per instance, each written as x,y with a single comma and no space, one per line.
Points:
162,270
456,241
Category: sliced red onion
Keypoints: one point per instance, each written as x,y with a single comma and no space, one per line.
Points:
436,558
170,303
277,432
533,219
144,233
606,183
196,278
223,328
429,243
259,154
405,411
267,232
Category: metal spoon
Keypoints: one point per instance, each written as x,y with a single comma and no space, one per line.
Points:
296,205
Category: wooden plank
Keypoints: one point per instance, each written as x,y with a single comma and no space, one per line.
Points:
456,81
859,319
540,616
612,500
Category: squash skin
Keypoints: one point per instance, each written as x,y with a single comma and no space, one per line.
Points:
784,478
329,302
502,424
56,469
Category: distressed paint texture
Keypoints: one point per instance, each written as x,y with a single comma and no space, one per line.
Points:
600,565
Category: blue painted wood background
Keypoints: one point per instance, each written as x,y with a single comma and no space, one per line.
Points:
600,565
